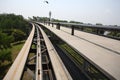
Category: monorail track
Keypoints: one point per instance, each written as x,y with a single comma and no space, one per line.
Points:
46,64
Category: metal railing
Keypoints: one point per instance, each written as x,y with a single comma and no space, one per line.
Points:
105,27
96,29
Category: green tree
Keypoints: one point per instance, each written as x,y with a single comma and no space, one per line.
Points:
76,22
12,28
18,35
10,21
99,24
5,55
5,40
118,35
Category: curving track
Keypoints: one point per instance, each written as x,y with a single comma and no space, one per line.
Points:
21,62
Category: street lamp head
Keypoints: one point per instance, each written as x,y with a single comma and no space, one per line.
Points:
46,2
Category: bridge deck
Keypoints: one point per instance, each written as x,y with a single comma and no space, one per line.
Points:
100,51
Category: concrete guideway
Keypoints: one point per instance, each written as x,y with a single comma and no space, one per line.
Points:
21,63
38,73
103,59
60,70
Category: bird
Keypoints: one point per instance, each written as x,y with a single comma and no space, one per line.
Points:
46,2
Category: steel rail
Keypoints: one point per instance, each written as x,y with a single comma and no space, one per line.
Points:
16,70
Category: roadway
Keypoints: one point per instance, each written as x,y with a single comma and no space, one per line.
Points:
107,43
99,51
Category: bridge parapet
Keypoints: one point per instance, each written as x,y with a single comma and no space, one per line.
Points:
96,29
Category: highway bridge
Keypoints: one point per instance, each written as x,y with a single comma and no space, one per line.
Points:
40,59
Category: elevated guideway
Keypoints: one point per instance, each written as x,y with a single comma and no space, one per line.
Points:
97,50
60,70
44,64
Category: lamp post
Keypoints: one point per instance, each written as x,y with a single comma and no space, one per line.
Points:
49,17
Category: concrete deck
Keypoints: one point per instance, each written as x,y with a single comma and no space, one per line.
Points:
100,51
110,44
60,70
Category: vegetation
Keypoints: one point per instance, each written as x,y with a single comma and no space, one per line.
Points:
116,34
99,24
5,55
57,20
8,57
9,22
42,19
76,22
18,35
13,28
16,47
5,40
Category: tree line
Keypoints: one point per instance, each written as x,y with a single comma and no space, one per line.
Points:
13,28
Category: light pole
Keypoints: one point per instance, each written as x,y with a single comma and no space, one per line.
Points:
49,17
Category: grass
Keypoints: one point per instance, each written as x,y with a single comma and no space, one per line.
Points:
15,49
6,65
72,53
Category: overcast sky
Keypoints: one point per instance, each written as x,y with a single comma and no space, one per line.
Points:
88,11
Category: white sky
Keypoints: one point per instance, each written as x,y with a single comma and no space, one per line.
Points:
88,11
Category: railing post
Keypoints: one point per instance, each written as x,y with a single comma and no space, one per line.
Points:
97,31
48,23
82,29
58,26
72,33
44,22
52,25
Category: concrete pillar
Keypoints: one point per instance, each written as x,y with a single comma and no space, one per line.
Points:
52,25
97,31
58,26
82,29
48,23
44,22
72,33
